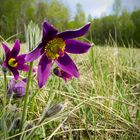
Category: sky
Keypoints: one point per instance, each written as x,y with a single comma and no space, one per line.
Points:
97,8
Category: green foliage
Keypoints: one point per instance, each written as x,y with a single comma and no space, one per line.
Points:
136,20
54,11
40,14
124,29
122,26
57,14
80,16
14,15
79,19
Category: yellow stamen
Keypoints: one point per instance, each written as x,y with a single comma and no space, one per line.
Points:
12,62
54,47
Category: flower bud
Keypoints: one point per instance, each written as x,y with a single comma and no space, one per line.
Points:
53,110
62,74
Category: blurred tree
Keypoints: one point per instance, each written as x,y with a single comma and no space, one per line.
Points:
89,18
121,29
13,16
80,15
57,14
79,18
136,20
125,28
117,7
41,12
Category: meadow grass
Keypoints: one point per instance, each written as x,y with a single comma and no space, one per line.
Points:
103,104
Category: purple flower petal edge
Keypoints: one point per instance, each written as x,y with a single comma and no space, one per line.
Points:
6,49
15,73
34,54
76,47
44,68
74,33
48,31
67,65
16,48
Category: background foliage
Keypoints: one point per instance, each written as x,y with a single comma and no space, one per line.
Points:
122,26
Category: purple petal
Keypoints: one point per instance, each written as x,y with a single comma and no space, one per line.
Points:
66,76
23,67
19,91
76,47
20,84
67,65
21,60
19,88
74,33
21,57
24,80
6,49
34,54
44,68
48,31
4,64
16,48
15,73
62,74
11,86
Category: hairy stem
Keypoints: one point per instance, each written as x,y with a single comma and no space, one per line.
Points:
26,97
4,104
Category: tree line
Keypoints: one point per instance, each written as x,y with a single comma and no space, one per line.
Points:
123,29
15,14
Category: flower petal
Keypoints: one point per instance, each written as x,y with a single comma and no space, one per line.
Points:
16,48
74,33
76,47
4,64
34,54
19,92
48,31
6,49
67,65
15,73
19,88
62,74
21,58
20,84
24,80
23,67
11,86
44,68
66,76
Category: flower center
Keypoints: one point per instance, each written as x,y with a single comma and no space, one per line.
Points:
55,48
12,62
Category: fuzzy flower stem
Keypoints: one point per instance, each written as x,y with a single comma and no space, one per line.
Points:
4,103
5,91
25,108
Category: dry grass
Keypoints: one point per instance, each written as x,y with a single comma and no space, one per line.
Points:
103,104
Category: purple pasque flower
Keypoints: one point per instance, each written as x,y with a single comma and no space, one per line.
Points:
17,87
62,74
54,47
13,61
